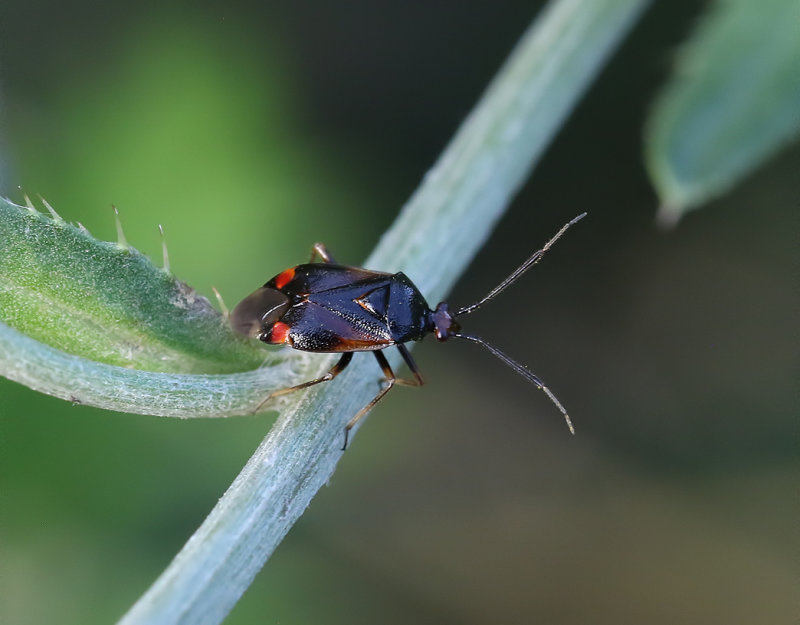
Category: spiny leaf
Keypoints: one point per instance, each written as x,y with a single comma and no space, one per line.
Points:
107,302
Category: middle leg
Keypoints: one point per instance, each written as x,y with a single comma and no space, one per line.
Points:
390,379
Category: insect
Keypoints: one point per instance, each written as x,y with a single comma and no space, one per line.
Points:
328,307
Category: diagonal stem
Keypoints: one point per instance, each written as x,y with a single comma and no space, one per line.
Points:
437,233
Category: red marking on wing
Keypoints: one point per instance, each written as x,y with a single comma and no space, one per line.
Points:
283,278
279,333
360,345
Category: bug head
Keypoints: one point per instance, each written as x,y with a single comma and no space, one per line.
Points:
259,311
444,323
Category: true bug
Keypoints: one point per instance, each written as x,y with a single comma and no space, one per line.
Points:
327,307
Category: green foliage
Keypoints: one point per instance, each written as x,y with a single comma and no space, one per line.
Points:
180,118
733,101
107,302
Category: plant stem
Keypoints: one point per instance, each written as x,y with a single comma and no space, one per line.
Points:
433,239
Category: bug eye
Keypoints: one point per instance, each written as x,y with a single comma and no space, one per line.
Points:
259,311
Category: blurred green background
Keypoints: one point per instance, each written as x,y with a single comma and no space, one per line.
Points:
253,130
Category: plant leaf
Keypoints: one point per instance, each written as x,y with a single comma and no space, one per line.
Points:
107,302
733,101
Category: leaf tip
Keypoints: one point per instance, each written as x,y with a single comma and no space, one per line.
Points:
668,216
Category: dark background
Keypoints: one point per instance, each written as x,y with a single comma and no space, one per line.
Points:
253,130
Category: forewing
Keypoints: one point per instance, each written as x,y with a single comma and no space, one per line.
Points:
332,321
322,277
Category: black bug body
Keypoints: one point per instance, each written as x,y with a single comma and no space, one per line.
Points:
327,307
334,308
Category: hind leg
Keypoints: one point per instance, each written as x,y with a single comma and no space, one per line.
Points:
320,251
334,371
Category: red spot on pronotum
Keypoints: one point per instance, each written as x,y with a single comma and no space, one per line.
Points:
283,278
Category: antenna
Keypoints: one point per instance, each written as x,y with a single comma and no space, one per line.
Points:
446,326
535,258
528,375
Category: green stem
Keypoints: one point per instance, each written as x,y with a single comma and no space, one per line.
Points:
433,239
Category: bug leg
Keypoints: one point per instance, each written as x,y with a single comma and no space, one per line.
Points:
320,251
417,381
390,379
334,371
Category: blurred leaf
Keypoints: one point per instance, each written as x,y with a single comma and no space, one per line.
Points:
191,122
734,100
107,302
